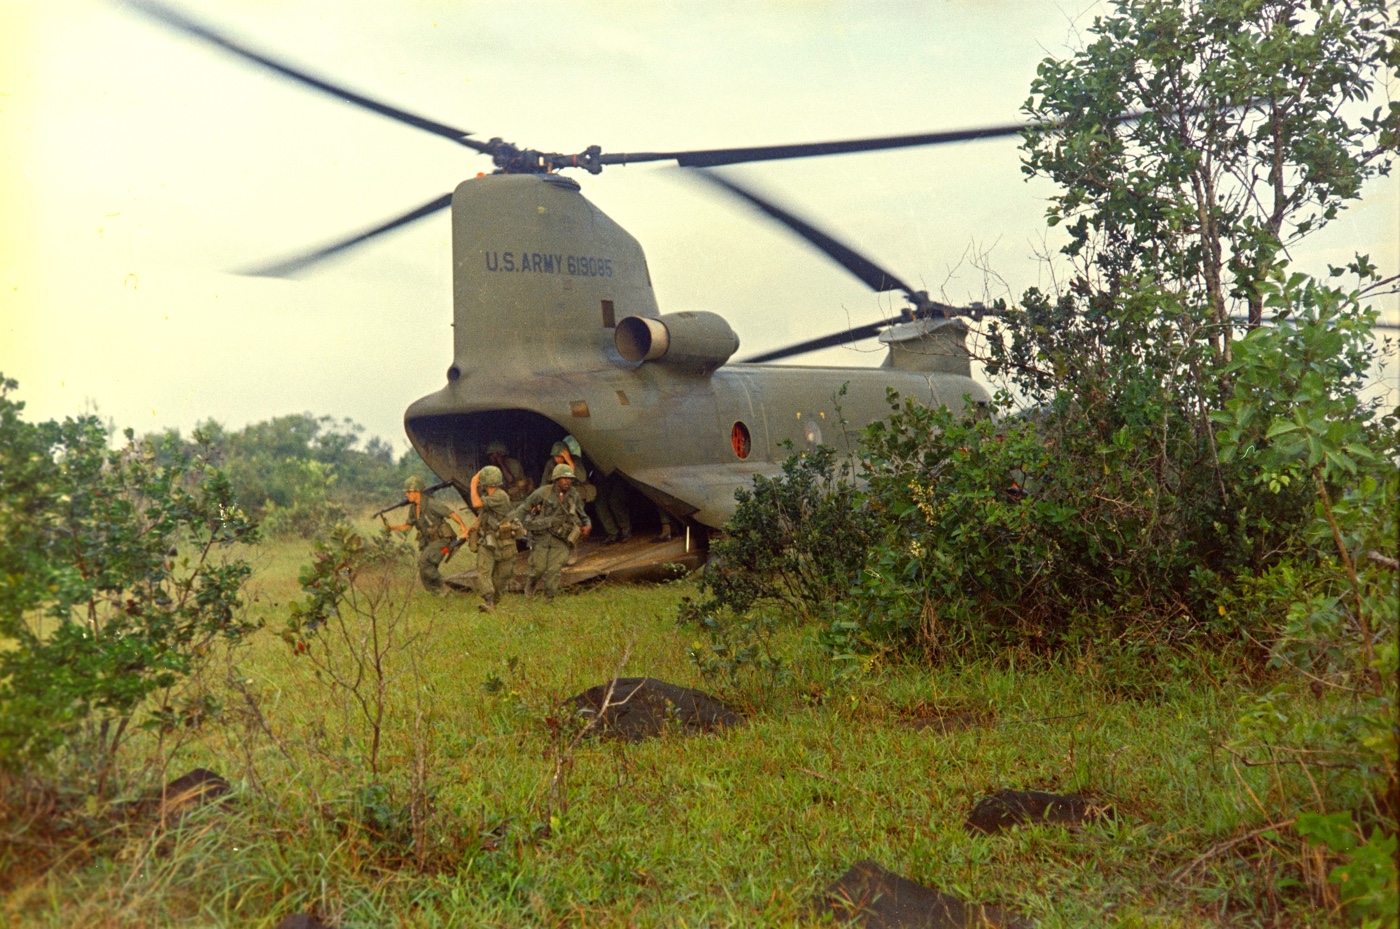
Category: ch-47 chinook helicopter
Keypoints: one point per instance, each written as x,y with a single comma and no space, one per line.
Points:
557,329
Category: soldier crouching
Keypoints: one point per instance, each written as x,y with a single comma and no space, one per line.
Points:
554,517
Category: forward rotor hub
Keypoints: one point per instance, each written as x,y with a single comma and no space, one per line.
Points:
510,159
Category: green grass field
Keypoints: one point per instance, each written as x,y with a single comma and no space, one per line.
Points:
485,810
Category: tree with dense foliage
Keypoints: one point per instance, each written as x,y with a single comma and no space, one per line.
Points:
118,570
1250,131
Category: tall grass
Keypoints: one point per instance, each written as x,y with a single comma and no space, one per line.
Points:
739,828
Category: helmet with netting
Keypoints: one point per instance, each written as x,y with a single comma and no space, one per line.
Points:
491,477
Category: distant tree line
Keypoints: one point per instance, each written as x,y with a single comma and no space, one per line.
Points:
297,474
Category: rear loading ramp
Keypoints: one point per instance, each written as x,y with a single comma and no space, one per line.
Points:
633,560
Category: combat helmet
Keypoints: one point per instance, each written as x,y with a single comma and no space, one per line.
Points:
559,471
491,477
496,448
414,484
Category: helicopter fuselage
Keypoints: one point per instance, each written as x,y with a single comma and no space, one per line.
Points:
557,330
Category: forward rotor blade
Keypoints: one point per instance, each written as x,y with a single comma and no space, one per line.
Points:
867,271
715,157
183,23
826,341
290,266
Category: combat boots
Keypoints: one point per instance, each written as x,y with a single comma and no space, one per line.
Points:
487,604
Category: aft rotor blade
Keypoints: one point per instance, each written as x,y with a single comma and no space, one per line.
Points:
826,341
290,266
185,24
869,273
715,157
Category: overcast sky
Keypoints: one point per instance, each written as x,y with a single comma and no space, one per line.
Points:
142,167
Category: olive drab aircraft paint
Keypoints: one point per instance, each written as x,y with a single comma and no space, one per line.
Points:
557,330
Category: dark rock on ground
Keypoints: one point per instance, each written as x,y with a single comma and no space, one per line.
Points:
642,707
1006,808
190,791
881,899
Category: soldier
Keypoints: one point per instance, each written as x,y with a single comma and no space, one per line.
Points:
560,454
613,510
568,452
438,528
517,485
555,519
492,535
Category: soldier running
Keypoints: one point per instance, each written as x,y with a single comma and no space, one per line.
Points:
439,527
555,519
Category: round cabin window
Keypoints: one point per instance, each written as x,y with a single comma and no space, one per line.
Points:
741,441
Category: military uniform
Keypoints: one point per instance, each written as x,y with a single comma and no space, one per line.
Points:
613,511
433,521
495,548
512,471
555,522
518,486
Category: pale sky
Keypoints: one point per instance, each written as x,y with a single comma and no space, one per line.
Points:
142,167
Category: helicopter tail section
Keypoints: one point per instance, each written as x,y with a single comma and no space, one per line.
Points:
541,277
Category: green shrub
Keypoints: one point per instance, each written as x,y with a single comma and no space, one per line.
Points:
116,575
310,509
1296,417
797,539
793,548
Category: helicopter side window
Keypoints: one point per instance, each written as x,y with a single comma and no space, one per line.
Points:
740,440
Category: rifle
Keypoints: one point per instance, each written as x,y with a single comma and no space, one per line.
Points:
404,502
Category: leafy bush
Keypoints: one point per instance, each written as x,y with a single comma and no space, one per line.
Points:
310,508
797,539
1296,417
116,576
795,544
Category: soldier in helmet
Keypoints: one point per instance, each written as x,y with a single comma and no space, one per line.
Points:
560,454
555,519
492,535
517,485
438,527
